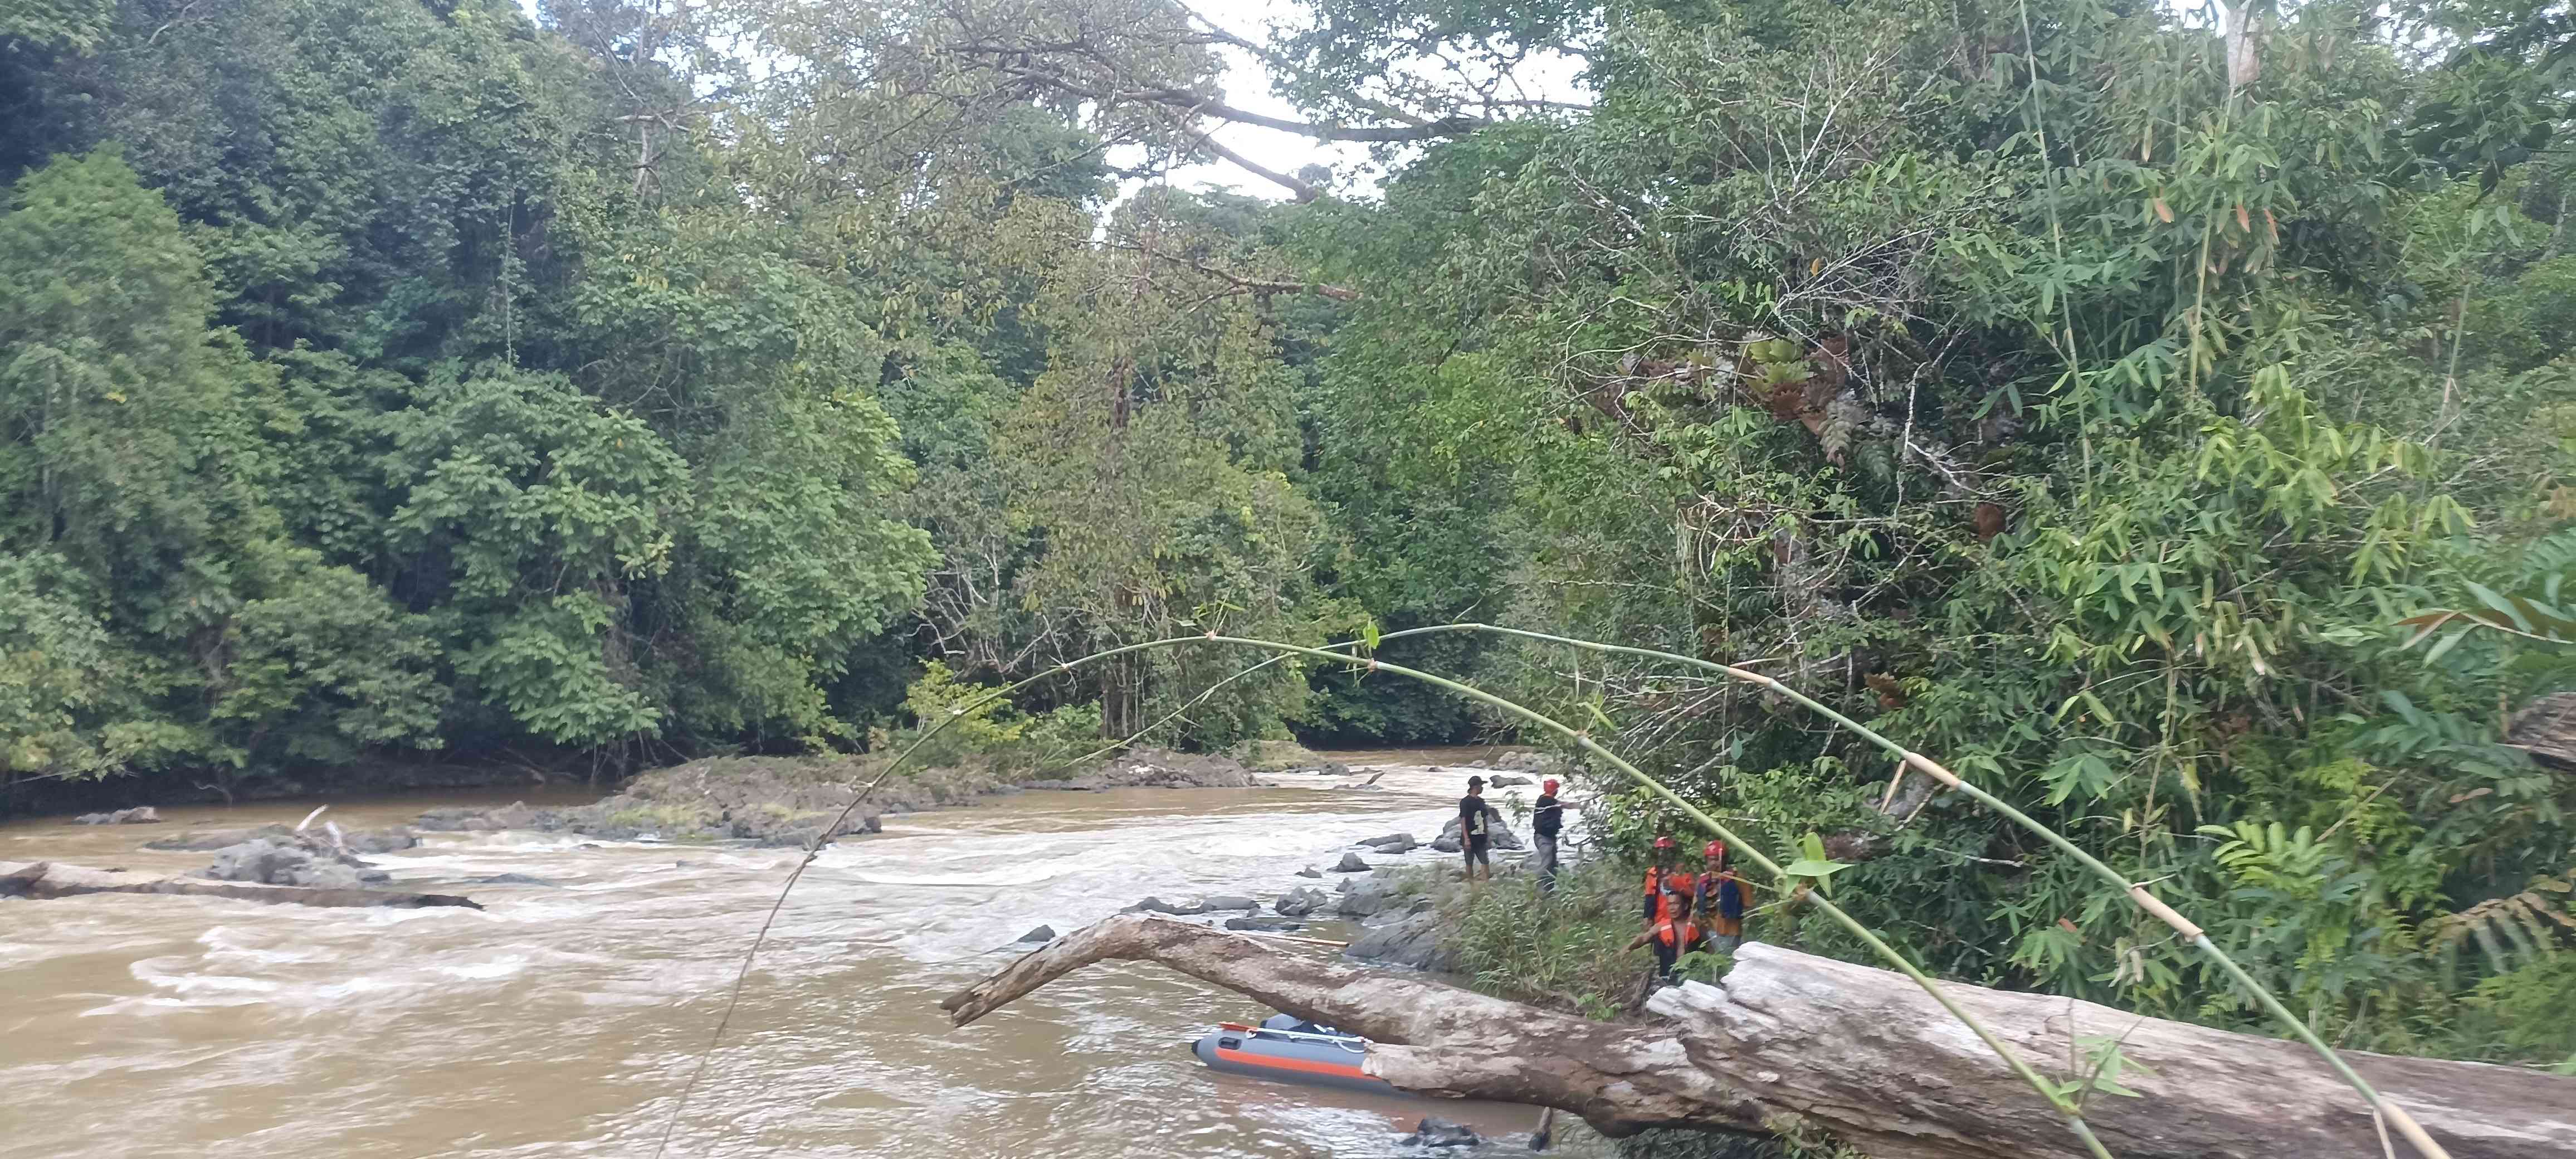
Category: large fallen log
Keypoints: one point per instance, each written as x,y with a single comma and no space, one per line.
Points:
42,880
1793,1039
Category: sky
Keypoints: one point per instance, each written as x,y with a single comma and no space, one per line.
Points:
1247,86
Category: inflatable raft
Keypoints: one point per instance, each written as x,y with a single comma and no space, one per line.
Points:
1288,1050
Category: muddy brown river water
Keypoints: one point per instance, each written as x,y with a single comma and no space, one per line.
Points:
563,1019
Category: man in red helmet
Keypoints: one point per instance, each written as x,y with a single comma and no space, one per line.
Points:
1546,817
1720,900
1667,909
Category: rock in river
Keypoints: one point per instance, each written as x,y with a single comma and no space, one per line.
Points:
140,815
1503,837
1436,1132
1297,903
1156,905
1310,871
1414,942
1040,934
1351,863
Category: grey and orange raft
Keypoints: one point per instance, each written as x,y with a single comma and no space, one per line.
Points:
1289,1050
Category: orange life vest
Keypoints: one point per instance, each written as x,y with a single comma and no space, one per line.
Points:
1671,890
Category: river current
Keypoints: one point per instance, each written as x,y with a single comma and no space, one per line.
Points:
563,1019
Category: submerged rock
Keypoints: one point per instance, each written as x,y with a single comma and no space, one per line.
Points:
1506,780
1040,934
1438,1132
514,879
1156,905
1351,863
209,840
1228,901
1264,925
1310,871
139,815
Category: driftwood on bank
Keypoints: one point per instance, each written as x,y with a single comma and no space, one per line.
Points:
42,880
1859,1052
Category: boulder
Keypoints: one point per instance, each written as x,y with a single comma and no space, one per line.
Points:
1351,863
1040,934
1506,780
139,815
1366,896
267,862
1300,902
1310,871
1228,901
1438,1132
380,840
1156,905
1264,925
1389,839
1414,942
1502,835
209,840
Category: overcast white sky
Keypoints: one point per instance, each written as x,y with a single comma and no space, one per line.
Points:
1247,86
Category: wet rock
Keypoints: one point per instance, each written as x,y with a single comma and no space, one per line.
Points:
1298,903
1413,942
1401,842
1506,780
269,862
1502,836
1310,871
1156,905
209,840
380,840
1351,863
516,815
1223,901
140,815
1263,925
1366,896
1040,934
514,879
1438,1132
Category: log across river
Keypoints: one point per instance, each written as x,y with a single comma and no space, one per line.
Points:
561,1020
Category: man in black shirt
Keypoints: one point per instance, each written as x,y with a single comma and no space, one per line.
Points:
1545,818
1473,831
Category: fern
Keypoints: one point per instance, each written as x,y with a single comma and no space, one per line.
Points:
2529,924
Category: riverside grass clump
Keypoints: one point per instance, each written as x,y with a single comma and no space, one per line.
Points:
1566,949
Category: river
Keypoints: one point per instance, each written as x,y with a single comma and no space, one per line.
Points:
563,1019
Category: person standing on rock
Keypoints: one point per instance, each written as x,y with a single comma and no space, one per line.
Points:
1474,832
1546,817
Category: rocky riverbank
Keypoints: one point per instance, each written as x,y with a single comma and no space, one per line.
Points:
789,800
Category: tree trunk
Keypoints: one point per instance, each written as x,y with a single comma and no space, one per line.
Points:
45,880
1861,1053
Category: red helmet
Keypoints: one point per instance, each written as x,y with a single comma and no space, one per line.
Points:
1665,843
1716,851
1548,785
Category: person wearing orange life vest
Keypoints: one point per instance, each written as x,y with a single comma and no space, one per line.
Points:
1667,910
1720,900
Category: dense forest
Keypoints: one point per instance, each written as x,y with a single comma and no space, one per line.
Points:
2097,395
